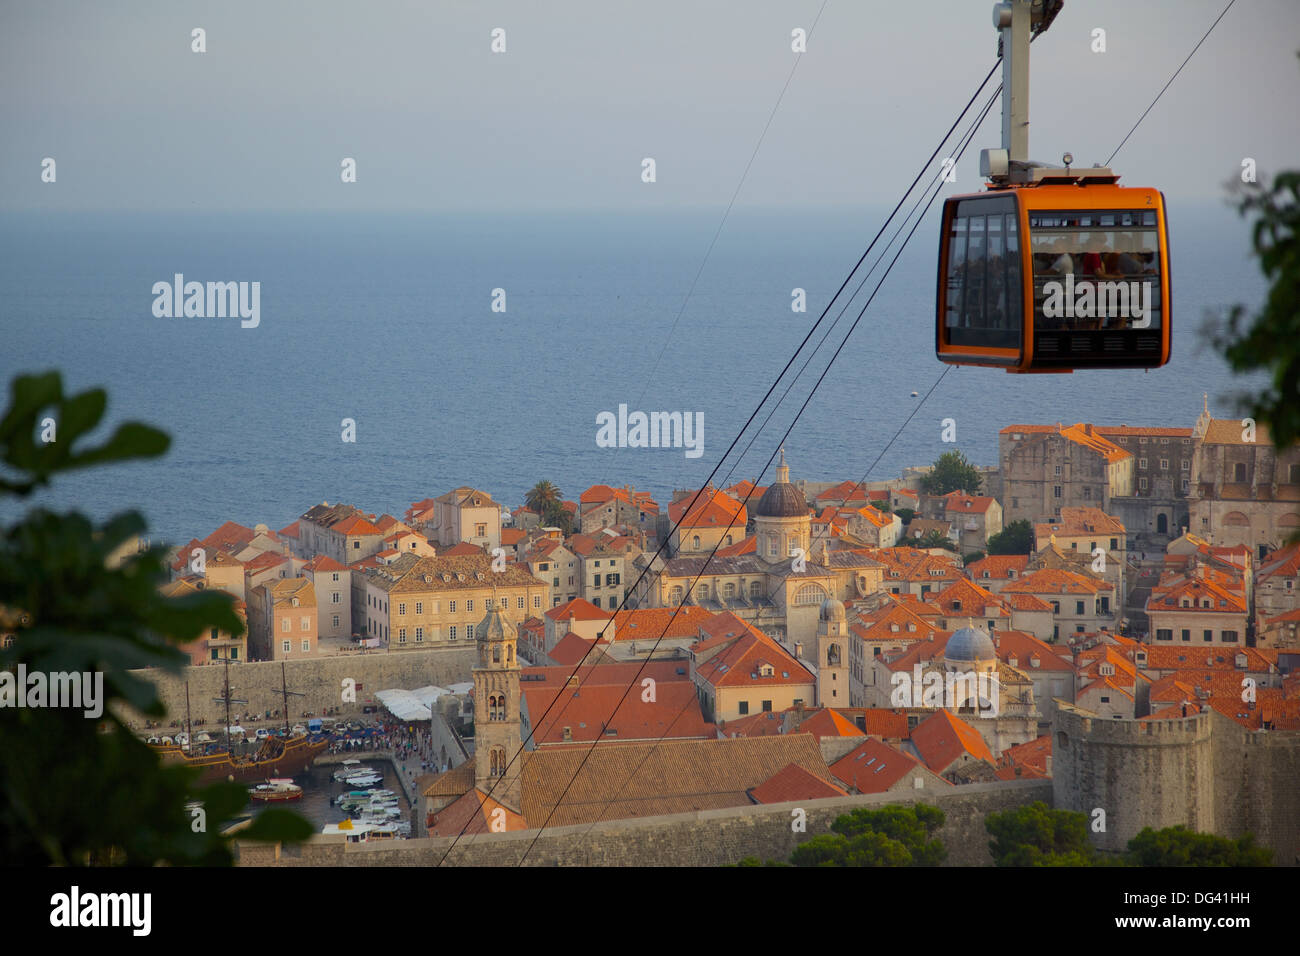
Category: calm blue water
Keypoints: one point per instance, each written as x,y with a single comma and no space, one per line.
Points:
386,319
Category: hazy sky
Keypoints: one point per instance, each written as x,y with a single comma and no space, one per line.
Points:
587,88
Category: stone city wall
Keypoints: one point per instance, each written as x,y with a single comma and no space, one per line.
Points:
707,838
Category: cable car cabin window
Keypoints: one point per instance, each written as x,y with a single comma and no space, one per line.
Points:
1096,270
983,283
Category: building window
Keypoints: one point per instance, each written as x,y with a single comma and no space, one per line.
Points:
285,626
1058,469
306,646
401,609
356,545
744,707
1078,607
469,605
451,633
401,635
1229,637
334,576
519,603
419,635
306,624
1142,484
1208,636
451,607
469,632
696,542
286,645
1056,491
767,706
537,600
336,620
1164,464
1142,462
1187,634
419,607
1164,634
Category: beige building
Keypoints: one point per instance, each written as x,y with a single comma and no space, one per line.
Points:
416,602
1243,491
1277,588
738,670
550,561
1046,468
464,514
974,519
342,532
282,618
1099,538
602,569
712,520
1200,607
1080,603
214,645
333,584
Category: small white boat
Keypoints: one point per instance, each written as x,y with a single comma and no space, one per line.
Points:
348,768
357,832
362,781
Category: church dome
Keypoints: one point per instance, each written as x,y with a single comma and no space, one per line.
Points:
832,610
782,500
970,644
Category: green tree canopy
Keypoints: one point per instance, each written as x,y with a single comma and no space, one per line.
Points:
931,539
952,472
1270,341
1015,538
542,495
1178,846
890,836
78,789
1036,835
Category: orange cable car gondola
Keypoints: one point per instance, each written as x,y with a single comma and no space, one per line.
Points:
1049,269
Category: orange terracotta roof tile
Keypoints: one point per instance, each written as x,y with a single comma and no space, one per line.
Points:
942,738
873,767
793,782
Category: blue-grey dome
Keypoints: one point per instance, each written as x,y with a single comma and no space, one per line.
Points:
970,644
832,610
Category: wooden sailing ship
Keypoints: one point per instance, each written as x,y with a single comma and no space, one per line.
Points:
274,756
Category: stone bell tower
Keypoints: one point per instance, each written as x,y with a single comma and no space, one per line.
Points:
496,711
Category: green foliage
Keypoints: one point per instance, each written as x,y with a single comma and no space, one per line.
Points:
755,861
1270,341
884,506
542,496
1036,835
931,539
1178,846
891,836
952,472
77,790
1015,538
971,558
905,515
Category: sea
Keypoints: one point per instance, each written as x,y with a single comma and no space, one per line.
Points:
386,321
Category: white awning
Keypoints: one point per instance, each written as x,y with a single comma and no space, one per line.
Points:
403,704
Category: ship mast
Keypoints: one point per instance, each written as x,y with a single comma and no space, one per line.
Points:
228,700
284,688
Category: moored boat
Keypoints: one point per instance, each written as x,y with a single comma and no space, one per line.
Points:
275,790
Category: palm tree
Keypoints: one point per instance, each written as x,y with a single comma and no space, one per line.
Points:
543,496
